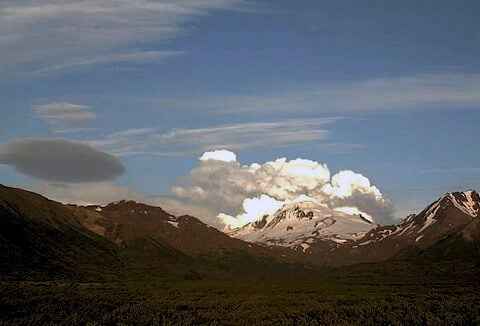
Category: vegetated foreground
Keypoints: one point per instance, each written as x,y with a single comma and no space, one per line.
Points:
358,295
132,264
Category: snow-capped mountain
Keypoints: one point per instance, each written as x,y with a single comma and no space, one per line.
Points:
315,228
446,214
451,220
303,224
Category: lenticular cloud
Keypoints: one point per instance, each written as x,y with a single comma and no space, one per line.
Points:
244,193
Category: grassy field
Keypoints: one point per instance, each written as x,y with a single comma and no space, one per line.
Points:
246,303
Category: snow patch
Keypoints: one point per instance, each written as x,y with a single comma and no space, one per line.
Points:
467,206
336,240
429,220
354,211
305,246
174,223
410,227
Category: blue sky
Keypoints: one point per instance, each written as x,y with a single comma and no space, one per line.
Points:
390,90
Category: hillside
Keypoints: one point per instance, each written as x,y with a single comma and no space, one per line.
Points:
41,238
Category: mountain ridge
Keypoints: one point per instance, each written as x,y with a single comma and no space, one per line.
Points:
46,239
42,238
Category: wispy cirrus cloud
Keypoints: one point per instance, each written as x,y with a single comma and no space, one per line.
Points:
466,169
89,62
253,135
65,116
38,37
423,91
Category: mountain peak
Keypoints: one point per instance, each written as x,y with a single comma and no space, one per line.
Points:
133,207
302,223
445,215
466,201
124,202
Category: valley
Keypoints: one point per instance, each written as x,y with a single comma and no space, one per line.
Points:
130,263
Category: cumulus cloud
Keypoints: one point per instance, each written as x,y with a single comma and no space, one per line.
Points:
244,193
253,209
220,155
346,182
59,160
64,116
222,192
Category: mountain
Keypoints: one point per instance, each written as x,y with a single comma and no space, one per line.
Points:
453,219
45,239
148,235
139,226
448,228
305,224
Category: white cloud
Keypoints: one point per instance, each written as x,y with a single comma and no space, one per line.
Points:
252,135
244,193
64,116
286,179
253,208
51,36
344,183
219,155
225,193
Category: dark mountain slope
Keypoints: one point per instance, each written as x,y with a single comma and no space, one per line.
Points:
144,231
42,238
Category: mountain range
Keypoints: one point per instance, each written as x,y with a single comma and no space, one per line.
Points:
343,238
41,239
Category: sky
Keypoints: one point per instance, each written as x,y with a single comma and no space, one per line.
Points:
368,104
